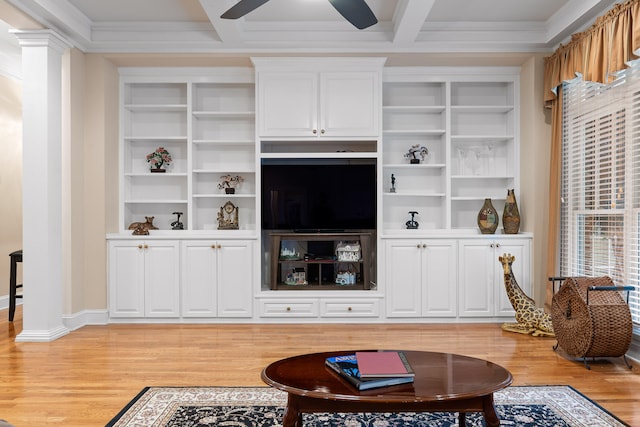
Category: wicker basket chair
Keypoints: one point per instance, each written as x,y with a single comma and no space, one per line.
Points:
591,319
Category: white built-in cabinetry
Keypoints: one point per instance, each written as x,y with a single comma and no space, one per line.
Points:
206,120
318,98
217,278
421,278
144,277
217,121
468,121
481,278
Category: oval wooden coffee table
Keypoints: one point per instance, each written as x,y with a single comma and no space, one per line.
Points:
443,383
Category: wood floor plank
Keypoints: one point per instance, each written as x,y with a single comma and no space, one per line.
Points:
88,376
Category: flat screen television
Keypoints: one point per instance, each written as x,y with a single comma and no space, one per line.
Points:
318,195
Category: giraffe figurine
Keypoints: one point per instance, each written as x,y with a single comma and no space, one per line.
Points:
530,319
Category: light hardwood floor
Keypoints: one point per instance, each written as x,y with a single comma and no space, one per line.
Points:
86,377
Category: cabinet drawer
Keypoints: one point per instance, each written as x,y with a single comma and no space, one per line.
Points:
288,308
347,308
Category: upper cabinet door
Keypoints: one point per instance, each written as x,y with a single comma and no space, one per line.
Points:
319,104
288,104
349,104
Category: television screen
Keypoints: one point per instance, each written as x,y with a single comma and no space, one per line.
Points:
318,195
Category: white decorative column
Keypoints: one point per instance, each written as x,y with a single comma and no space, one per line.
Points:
42,239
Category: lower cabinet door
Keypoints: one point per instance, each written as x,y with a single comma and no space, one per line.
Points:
162,279
403,278
126,279
235,278
199,275
440,288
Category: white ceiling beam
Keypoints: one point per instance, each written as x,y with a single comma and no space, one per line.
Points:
60,15
409,18
574,14
229,30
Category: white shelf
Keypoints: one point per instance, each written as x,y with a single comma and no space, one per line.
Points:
156,107
322,155
155,175
468,139
206,121
469,124
414,132
414,108
223,114
466,199
154,201
159,139
474,177
224,196
413,194
482,108
410,166
224,171
239,142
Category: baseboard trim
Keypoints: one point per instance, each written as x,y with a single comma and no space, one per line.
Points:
84,318
42,335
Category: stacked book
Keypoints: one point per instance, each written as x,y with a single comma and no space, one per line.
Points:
371,369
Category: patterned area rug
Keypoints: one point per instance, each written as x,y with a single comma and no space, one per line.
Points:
539,406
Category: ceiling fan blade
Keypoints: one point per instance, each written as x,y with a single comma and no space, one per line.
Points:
355,11
242,8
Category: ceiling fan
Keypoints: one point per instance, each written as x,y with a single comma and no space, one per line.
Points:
355,11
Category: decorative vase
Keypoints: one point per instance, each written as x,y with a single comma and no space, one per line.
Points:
511,215
487,218
158,170
230,191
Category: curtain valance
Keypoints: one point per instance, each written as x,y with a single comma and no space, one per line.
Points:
598,52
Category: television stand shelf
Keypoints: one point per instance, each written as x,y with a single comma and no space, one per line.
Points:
310,261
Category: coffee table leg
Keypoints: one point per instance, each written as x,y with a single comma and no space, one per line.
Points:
462,419
292,415
489,409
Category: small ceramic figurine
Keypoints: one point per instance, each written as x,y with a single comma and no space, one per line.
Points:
177,225
142,228
393,184
412,224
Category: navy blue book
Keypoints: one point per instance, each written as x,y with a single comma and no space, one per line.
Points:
347,367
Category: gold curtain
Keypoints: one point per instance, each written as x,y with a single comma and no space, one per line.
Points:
597,54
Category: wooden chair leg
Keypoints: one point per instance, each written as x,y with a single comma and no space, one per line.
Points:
12,288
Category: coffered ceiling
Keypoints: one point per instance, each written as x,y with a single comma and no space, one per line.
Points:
308,26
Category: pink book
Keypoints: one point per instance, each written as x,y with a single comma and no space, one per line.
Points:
382,364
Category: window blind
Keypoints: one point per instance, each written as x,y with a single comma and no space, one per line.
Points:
600,181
